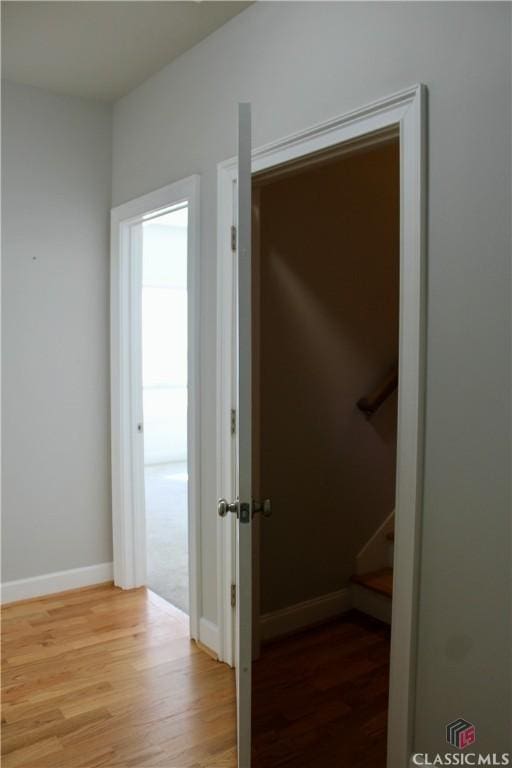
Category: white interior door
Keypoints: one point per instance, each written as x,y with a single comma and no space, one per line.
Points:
243,504
244,442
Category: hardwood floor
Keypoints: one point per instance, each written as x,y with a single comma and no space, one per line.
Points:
320,697
101,678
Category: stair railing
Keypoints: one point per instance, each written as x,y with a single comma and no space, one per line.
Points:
371,403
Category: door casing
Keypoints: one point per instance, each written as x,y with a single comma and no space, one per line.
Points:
404,111
128,518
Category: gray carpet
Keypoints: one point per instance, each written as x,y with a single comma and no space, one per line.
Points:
167,532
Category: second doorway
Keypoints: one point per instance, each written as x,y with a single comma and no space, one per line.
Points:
164,403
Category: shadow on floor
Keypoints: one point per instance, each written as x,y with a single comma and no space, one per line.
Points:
320,697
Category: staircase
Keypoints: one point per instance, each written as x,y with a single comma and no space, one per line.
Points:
372,582
372,590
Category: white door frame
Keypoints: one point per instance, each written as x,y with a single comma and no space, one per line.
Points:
406,111
128,514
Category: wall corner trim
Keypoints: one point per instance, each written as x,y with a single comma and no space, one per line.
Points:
59,581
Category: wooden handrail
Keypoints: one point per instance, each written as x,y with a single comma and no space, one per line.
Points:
372,402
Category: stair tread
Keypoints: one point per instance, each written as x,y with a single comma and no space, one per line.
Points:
379,581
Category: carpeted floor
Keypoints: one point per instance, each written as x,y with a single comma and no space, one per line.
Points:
167,532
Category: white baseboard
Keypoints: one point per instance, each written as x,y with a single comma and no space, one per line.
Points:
209,635
370,602
300,615
60,581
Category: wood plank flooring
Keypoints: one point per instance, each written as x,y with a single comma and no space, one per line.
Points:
103,678
320,697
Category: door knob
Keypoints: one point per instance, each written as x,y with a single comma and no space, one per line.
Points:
223,507
262,507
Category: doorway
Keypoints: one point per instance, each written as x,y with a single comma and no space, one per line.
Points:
165,403
155,401
402,115
325,347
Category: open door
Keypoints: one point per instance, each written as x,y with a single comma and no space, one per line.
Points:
244,442
242,506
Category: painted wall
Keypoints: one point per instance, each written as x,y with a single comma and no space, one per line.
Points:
329,276
303,63
56,163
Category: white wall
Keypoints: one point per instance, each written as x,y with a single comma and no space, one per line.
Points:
306,62
56,166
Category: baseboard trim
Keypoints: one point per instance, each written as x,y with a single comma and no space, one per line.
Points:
60,581
209,635
300,615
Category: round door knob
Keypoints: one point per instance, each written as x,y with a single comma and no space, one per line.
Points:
222,507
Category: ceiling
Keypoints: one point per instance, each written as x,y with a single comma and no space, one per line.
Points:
101,50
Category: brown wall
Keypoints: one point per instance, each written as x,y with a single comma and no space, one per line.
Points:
328,333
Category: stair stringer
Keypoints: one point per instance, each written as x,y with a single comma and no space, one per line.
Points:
375,553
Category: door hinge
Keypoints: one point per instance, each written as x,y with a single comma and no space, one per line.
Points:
233,238
233,421
233,595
